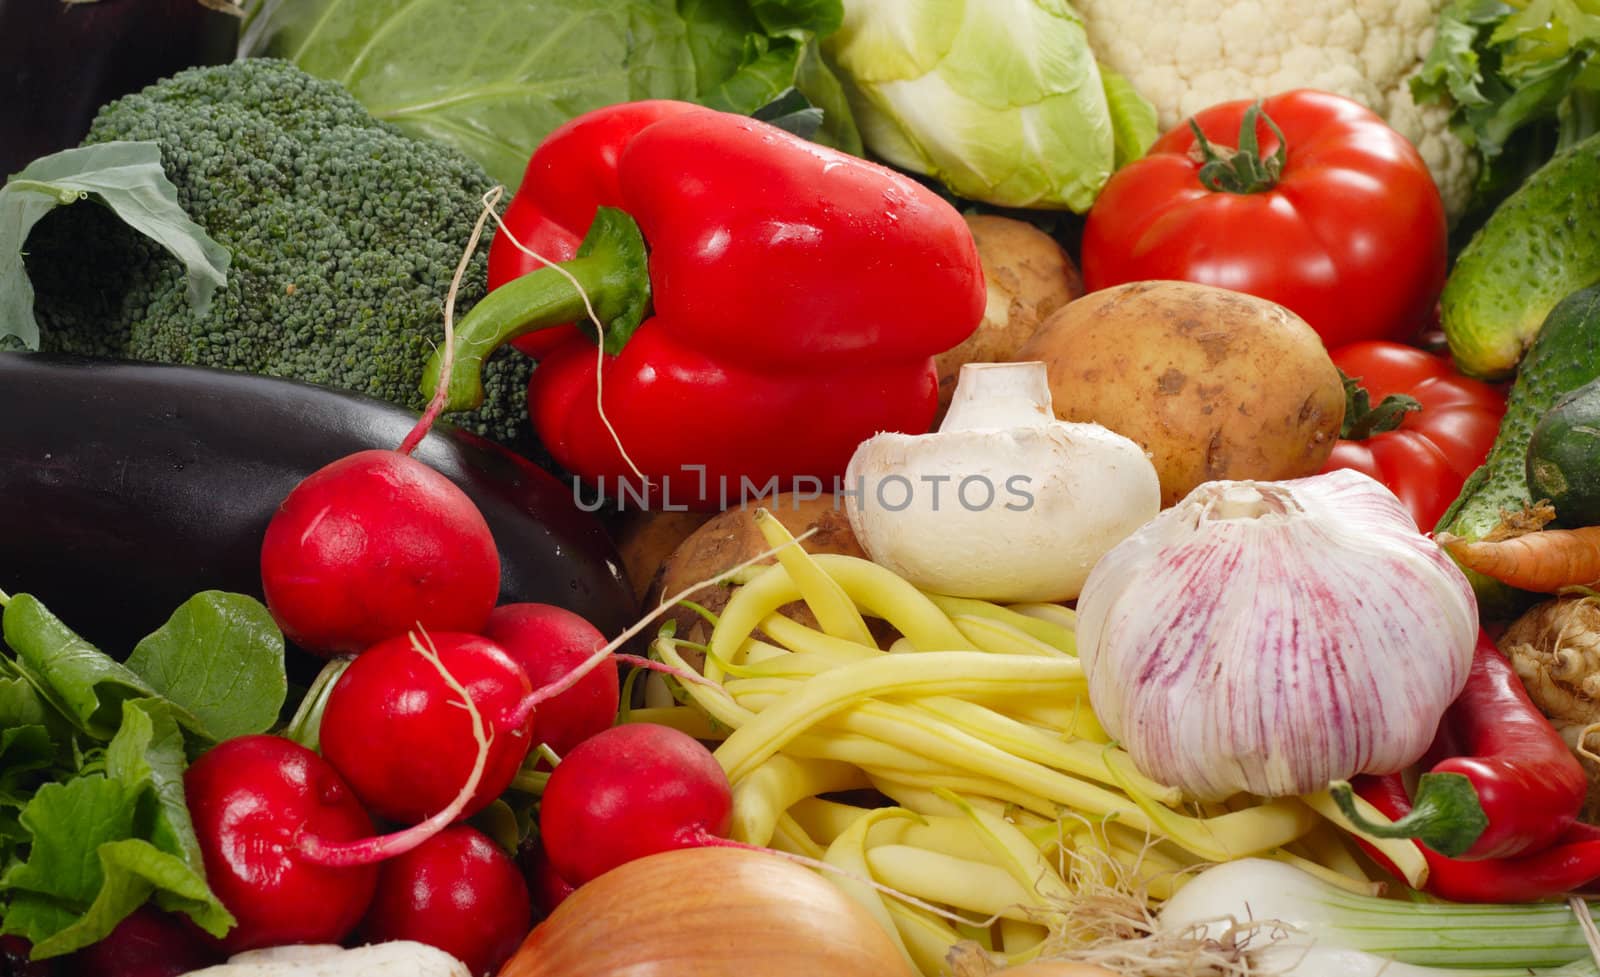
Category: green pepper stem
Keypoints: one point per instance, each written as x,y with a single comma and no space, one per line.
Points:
1446,815
610,275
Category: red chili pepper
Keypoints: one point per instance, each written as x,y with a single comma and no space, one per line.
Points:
1502,781
799,295
1570,864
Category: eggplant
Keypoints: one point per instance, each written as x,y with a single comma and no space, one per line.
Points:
60,61
126,488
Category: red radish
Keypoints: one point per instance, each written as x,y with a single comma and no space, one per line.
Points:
147,943
631,791
395,729
372,545
14,962
254,801
549,642
547,888
457,891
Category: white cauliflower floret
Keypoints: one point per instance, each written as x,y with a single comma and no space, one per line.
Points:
1186,55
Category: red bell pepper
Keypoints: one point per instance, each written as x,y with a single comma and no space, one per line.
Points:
1414,423
1503,782
792,304
1570,864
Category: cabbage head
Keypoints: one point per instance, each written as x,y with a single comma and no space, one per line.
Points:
1000,100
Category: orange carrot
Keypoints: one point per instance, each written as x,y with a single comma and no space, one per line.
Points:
1546,561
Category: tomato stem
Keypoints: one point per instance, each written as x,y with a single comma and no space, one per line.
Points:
1363,419
1242,170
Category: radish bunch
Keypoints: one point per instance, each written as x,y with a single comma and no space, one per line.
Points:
379,556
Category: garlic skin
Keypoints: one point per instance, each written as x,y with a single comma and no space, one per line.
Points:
1004,502
1271,637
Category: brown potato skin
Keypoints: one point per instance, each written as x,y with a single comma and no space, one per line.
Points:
1028,276
1214,384
729,538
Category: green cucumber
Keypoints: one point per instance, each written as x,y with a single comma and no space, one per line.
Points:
1565,355
1564,457
1541,244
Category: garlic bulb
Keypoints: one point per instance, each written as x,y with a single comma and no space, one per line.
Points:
1271,637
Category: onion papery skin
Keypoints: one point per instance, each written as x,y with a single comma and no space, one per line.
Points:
708,912
1272,646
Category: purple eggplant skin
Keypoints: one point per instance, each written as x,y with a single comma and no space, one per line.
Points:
60,61
126,488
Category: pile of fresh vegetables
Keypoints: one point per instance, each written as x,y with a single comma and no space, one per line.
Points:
744,541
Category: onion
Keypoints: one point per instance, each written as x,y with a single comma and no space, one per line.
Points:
708,912
1056,968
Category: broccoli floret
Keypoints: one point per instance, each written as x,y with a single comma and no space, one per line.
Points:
344,234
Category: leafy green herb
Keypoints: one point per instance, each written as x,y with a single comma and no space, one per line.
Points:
1523,78
229,694
492,79
128,178
93,821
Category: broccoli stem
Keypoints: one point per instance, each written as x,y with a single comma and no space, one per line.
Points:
611,269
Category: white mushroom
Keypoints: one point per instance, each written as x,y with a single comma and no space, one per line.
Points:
1004,502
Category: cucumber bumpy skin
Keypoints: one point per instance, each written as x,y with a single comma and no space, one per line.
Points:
1541,244
1564,356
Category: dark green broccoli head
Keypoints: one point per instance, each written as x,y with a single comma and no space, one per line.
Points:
344,234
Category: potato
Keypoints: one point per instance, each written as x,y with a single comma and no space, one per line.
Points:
1028,276
1214,384
647,539
731,537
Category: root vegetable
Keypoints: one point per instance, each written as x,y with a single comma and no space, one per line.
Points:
147,943
253,799
733,537
394,729
1214,384
370,546
1545,561
548,642
631,791
708,912
1047,497
1028,276
458,892
647,539
1555,648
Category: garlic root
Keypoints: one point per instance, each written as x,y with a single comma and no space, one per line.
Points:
1555,649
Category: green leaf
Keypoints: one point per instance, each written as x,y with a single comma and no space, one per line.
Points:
220,659
493,79
1133,118
149,749
128,178
67,822
84,684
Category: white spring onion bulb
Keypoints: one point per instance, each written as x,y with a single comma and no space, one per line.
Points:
1270,637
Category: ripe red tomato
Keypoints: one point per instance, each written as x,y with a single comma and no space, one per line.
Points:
1349,233
1429,455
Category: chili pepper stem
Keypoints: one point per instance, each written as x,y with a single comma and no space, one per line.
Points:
1446,815
610,273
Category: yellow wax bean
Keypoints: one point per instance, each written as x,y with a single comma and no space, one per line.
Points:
1323,872
789,836
1001,638
932,673
925,800
976,887
994,793
1045,626
1085,759
1401,852
682,718
1020,939
957,836
849,854
833,609
751,602
761,798
799,638
719,707
825,820
880,592
926,936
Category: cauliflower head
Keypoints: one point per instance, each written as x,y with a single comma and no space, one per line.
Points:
1185,55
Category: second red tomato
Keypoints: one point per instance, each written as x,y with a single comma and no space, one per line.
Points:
1340,222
